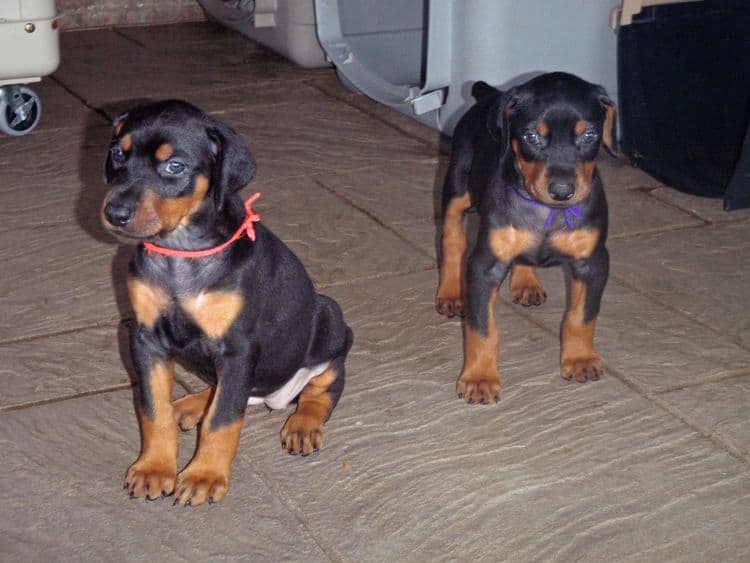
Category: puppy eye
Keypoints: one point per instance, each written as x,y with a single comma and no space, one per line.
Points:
589,136
533,139
117,154
174,167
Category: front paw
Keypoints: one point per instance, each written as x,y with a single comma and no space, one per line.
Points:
530,295
450,305
150,479
198,485
582,369
479,387
302,434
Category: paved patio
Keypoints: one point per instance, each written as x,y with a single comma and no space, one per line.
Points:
649,464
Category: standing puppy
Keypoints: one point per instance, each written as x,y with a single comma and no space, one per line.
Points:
527,159
216,290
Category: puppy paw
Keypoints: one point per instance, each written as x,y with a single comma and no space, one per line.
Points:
479,387
302,434
584,369
450,306
196,486
532,295
150,479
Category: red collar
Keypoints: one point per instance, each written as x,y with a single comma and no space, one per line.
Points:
245,228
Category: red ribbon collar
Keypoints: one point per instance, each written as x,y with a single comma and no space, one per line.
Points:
246,228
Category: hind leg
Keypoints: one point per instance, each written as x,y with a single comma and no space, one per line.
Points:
302,433
189,410
525,287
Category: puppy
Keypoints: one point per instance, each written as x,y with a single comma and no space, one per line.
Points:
216,290
526,158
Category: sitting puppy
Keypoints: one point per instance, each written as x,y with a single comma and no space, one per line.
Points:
527,159
215,289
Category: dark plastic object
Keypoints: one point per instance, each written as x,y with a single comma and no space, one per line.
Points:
684,89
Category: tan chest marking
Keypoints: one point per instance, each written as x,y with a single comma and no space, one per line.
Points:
149,301
508,242
214,312
577,244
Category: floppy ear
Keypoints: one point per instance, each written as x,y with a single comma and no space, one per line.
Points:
609,132
117,123
498,117
109,170
234,165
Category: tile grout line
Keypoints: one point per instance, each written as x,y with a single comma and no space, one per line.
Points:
736,374
658,231
677,206
31,338
116,31
51,400
372,115
321,540
80,98
650,193
375,277
371,215
652,397
687,315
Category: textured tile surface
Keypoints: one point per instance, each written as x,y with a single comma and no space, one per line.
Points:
650,344
59,279
319,136
34,373
720,408
618,171
181,68
708,209
62,183
336,242
648,464
553,470
65,501
703,272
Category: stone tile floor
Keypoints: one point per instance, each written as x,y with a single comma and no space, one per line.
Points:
649,464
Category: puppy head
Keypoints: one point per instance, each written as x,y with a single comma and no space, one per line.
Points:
167,161
551,129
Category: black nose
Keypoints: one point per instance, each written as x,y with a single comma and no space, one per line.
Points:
561,191
118,215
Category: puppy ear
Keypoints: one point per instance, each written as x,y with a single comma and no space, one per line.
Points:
109,169
498,117
234,165
609,131
117,123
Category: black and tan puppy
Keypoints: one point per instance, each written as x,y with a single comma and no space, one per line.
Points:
214,289
526,158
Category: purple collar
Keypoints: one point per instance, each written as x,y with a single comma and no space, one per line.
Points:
569,213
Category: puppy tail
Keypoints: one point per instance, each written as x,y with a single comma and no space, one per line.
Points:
482,90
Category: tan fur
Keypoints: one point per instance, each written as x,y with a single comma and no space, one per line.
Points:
214,312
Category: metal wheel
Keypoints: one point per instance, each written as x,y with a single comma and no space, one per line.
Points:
20,110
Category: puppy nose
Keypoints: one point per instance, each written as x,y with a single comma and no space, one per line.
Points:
118,215
561,191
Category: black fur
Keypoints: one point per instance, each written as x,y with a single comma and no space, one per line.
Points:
283,325
484,163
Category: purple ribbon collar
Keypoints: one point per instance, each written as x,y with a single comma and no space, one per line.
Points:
570,214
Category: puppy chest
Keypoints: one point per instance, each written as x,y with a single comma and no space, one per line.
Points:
212,313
